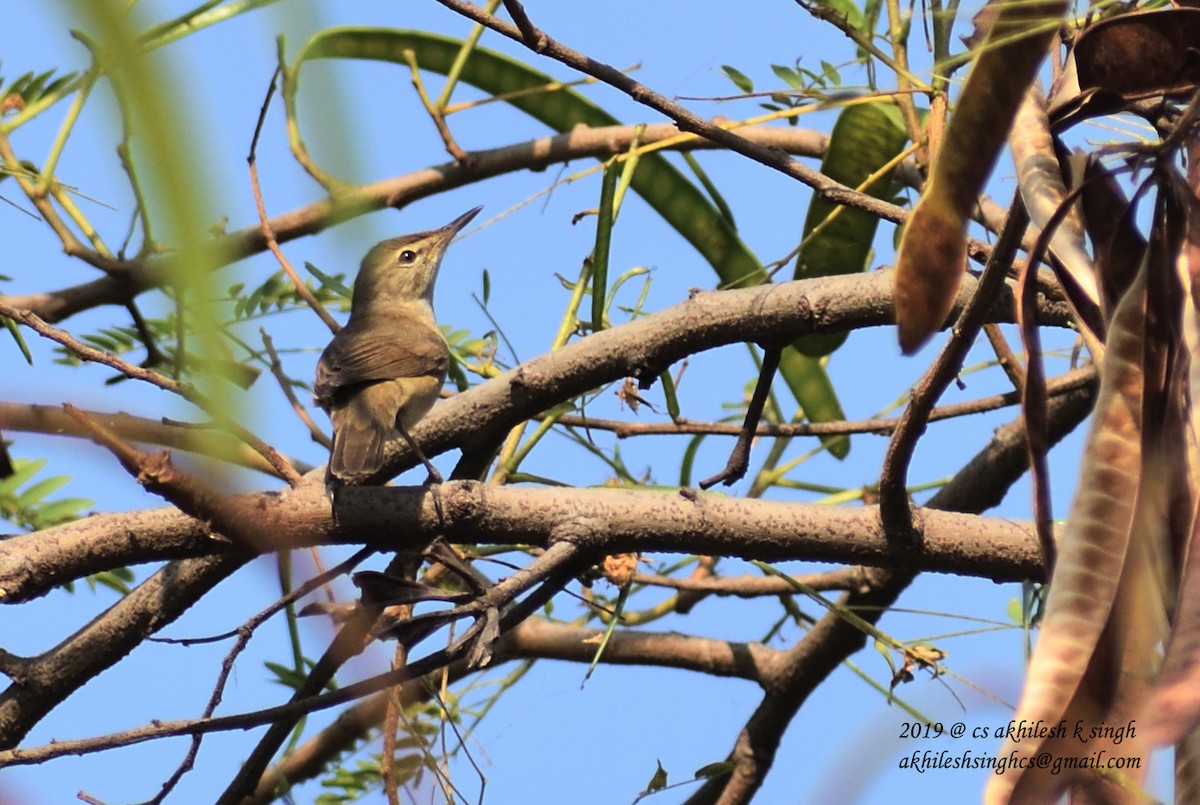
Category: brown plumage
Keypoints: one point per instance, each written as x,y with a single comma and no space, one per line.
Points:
382,372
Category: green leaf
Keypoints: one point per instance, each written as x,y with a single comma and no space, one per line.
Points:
15,332
35,494
847,8
789,76
119,580
710,188
34,90
32,87
831,72
668,385
285,674
333,283
604,226
689,461
101,342
58,83
204,15
25,470
814,393
57,512
18,87
863,140
26,508
739,79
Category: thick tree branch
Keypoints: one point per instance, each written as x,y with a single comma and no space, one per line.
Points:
706,523
475,418
478,420
978,486
157,474
715,525
646,521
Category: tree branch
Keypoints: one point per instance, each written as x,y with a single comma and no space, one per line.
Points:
474,418
51,419
187,391
893,479
623,429
645,521
40,683
979,485
128,278
478,420
536,40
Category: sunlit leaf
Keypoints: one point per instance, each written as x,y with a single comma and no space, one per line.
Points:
739,79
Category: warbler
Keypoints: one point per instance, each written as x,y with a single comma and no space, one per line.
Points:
383,371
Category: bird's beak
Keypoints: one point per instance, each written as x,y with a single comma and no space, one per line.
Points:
457,225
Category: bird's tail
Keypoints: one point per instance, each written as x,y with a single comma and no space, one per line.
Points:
358,444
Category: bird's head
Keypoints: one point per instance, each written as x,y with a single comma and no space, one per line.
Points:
405,268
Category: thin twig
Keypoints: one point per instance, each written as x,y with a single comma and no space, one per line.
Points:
351,639
285,385
839,20
739,457
153,356
185,390
847,578
1068,382
604,142
439,119
1005,356
244,633
264,222
550,569
558,572
895,509
41,201
536,40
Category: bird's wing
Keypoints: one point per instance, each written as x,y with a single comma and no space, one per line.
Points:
365,355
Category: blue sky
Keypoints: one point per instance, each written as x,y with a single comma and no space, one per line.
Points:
599,742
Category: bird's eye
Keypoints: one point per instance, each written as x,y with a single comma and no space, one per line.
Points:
407,256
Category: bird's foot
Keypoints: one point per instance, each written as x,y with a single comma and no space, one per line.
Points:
434,482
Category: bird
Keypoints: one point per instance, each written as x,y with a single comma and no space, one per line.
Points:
383,371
